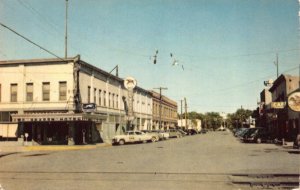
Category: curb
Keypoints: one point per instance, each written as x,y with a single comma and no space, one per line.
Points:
8,149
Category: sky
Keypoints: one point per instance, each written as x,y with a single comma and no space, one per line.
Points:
225,49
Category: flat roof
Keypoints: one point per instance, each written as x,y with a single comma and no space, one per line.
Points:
69,59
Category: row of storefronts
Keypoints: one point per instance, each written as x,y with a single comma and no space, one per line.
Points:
274,111
68,101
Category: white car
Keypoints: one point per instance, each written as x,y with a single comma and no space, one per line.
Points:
132,137
163,135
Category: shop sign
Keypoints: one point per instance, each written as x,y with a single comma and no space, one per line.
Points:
294,101
88,108
130,83
278,105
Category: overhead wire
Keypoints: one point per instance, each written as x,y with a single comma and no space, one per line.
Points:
44,19
50,23
28,6
30,41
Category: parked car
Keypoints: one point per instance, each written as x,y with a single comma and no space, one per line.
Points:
257,135
182,132
174,133
163,135
247,132
132,137
191,132
154,134
203,131
240,132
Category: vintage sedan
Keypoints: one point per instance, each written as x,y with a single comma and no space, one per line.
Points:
132,137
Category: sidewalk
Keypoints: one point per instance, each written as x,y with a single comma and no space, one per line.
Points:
9,147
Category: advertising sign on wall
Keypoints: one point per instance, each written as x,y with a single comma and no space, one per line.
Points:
294,101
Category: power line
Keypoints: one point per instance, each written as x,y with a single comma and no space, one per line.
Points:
40,16
31,41
243,55
44,19
245,83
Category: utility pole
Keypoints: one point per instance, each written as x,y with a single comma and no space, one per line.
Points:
185,107
66,31
181,113
160,103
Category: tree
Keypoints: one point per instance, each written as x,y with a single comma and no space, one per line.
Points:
237,119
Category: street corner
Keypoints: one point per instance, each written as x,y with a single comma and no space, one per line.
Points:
9,149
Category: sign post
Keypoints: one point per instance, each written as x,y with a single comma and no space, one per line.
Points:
130,84
26,136
83,136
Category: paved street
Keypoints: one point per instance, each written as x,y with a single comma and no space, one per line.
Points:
212,161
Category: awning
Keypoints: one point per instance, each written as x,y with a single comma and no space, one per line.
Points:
31,117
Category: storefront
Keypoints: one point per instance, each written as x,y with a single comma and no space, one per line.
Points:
63,128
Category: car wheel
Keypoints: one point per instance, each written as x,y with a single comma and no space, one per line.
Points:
153,139
121,142
258,140
144,141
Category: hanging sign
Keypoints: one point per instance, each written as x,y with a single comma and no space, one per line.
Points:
88,108
294,101
129,83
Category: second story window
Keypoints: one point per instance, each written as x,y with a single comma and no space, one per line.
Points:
104,98
113,100
14,92
100,94
109,99
29,92
95,95
46,91
63,90
117,101
89,95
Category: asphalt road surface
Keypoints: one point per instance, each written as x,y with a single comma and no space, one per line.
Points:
216,160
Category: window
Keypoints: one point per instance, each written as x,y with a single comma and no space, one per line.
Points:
113,100
29,92
89,95
109,99
63,90
95,95
100,94
6,116
0,92
13,92
104,98
117,101
46,91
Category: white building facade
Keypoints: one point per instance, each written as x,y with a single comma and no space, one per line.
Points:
44,99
